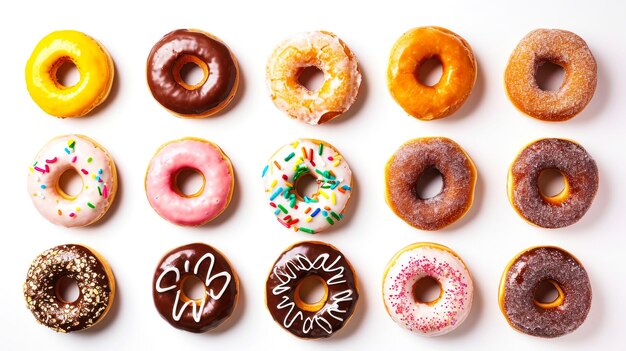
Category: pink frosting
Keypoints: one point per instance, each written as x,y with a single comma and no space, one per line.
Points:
198,155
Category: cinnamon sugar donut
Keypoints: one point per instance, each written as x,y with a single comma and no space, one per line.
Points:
404,170
567,207
560,47
525,273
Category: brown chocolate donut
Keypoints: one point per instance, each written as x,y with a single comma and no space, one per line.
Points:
220,283
332,312
404,170
581,183
521,278
212,93
92,274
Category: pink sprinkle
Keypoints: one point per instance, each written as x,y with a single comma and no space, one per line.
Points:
72,214
330,158
52,160
105,191
84,171
73,159
40,170
47,168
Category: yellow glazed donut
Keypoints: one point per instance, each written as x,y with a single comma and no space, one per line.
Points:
457,79
90,58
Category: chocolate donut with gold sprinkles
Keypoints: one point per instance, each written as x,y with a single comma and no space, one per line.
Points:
88,269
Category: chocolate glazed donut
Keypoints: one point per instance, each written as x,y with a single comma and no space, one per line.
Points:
282,290
180,47
221,288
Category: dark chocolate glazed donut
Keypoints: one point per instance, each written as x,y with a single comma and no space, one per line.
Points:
311,321
522,277
212,93
581,182
96,287
220,284
404,170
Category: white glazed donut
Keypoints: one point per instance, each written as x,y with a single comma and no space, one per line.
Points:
96,169
309,214
418,261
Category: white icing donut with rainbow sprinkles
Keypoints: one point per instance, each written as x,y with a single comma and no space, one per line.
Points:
407,268
314,213
96,169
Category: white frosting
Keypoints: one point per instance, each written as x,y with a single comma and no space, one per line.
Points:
93,165
334,178
425,319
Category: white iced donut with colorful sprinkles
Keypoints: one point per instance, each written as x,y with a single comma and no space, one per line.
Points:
315,212
96,169
407,268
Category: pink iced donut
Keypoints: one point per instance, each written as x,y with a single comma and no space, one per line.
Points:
198,155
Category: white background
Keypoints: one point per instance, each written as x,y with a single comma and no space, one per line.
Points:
132,125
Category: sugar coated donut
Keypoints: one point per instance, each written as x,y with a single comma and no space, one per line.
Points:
92,274
220,283
409,266
559,47
457,79
282,290
404,170
521,278
332,56
215,90
94,166
291,163
567,207
200,156
90,58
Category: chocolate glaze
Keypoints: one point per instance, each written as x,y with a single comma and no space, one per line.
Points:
296,263
404,170
522,278
216,91
573,161
80,264
211,267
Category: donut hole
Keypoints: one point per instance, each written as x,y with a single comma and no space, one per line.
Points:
66,289
311,293
548,294
549,76
66,73
189,182
193,288
306,185
429,71
551,183
70,184
311,77
427,290
190,72
429,184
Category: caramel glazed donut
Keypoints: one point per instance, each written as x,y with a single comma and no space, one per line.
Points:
282,290
560,47
581,183
404,170
525,273
96,286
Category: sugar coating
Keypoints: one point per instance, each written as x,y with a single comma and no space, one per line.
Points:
94,284
573,161
524,275
562,48
404,170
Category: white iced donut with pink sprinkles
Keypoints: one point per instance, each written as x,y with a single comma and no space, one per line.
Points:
407,268
196,155
96,170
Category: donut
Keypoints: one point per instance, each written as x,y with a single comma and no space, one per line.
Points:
221,288
215,90
92,61
525,273
417,46
567,207
559,47
200,156
91,162
282,290
418,261
328,53
291,163
404,170
92,274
